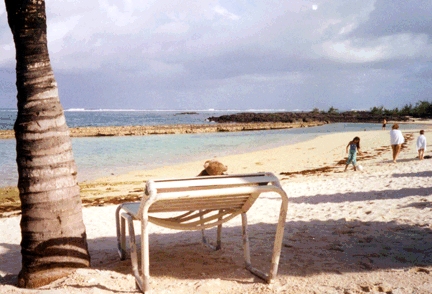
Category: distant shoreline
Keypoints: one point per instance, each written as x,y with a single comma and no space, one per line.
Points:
113,131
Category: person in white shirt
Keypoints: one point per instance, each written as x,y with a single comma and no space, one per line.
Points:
396,141
421,145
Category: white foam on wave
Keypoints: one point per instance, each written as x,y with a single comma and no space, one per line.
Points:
75,109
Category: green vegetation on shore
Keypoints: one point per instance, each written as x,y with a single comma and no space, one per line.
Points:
422,109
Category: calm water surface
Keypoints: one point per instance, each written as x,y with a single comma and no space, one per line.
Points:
102,156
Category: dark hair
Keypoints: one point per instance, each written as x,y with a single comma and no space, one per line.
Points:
358,143
421,132
395,127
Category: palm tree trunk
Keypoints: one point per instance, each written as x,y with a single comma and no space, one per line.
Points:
53,233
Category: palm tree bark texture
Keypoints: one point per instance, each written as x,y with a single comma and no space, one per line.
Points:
54,242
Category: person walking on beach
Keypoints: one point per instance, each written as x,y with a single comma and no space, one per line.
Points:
396,141
352,148
421,145
384,124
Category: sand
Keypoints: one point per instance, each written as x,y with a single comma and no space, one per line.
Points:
346,232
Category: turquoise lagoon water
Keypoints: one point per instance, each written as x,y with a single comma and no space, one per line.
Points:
103,156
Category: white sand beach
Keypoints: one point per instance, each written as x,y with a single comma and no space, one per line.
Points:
367,231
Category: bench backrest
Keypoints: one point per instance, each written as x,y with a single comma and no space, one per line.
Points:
214,181
208,192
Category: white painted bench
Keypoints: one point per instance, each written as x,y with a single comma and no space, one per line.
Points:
198,203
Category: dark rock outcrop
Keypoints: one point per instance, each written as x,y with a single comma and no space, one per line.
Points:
296,117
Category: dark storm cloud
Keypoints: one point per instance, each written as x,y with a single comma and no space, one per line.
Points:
397,17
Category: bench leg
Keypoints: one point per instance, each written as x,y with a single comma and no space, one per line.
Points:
246,248
132,244
121,233
245,238
218,237
142,281
145,255
277,248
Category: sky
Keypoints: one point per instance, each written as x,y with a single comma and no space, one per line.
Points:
210,54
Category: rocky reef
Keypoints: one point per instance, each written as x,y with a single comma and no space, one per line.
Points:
245,121
174,129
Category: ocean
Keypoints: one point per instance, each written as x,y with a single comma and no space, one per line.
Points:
119,117
102,156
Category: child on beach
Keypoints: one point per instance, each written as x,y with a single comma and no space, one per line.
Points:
421,145
352,148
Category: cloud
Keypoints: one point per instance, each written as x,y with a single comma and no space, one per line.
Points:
397,17
402,46
173,28
119,17
237,54
225,13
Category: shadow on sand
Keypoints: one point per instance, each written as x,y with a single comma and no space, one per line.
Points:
309,247
425,174
359,196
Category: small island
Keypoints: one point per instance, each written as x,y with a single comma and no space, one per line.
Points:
186,113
